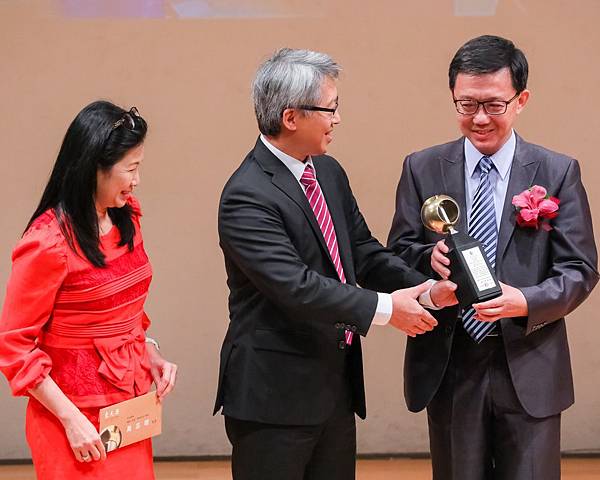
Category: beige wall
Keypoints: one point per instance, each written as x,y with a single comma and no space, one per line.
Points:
190,79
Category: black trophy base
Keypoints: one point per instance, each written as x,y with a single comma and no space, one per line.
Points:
471,271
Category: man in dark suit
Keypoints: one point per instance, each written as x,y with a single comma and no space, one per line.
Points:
295,246
496,379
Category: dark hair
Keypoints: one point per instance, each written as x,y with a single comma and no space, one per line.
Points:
488,54
91,143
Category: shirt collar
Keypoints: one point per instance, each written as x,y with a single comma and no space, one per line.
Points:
502,159
295,166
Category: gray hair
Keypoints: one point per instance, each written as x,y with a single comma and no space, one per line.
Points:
288,79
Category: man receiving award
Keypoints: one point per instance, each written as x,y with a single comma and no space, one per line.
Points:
495,376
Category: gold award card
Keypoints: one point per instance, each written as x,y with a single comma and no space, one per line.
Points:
130,421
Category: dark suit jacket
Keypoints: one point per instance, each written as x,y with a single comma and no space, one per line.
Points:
555,270
280,361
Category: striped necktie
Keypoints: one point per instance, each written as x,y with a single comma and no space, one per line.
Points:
482,226
319,206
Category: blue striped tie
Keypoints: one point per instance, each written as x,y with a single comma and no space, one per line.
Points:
482,226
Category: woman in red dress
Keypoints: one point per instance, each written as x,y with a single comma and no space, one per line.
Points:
72,330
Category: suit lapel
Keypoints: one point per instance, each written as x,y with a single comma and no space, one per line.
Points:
453,179
522,174
283,179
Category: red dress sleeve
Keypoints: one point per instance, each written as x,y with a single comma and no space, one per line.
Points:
39,268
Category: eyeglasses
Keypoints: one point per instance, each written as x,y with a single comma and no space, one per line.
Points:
491,107
313,108
128,119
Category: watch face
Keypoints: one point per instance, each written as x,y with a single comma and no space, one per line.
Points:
111,438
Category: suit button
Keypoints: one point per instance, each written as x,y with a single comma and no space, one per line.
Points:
449,330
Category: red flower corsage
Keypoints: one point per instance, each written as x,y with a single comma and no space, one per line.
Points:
535,208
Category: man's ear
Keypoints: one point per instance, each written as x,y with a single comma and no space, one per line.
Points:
522,100
289,119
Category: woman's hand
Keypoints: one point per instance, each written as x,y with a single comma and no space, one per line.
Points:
81,433
83,438
164,373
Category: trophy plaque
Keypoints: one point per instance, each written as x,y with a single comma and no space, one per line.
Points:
469,266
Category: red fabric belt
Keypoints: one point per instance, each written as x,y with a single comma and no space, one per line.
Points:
124,360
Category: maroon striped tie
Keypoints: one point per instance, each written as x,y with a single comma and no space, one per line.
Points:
319,206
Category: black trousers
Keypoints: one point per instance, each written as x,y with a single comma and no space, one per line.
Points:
478,429
264,451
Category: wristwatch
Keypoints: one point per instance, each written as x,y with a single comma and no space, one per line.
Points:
153,342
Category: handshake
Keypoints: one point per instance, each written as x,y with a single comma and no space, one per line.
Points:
410,316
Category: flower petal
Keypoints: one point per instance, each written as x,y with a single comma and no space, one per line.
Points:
537,194
529,214
523,200
547,206
522,223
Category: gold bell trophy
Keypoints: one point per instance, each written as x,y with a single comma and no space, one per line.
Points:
469,266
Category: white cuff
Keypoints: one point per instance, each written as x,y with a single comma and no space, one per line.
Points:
383,313
425,298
